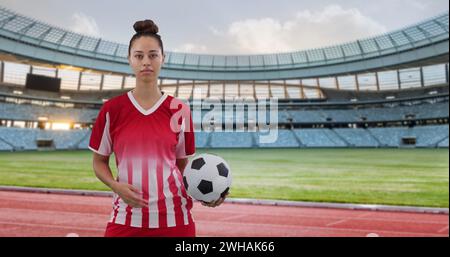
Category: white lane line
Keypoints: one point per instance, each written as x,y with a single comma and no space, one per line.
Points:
233,217
49,226
318,216
362,231
443,229
337,222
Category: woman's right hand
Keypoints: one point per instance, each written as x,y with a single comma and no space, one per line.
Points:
130,195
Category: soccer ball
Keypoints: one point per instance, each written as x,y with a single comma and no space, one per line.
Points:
207,177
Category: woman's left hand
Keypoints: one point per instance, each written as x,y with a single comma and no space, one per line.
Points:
215,203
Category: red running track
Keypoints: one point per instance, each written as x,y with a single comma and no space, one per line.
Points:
55,215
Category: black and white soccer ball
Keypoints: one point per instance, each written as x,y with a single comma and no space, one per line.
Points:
207,177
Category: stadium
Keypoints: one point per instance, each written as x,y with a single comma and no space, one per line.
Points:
375,102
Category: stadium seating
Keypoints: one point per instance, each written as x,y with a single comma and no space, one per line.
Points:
286,139
429,136
319,138
426,136
33,112
436,110
340,115
201,139
26,139
232,140
307,116
396,113
357,137
443,143
21,139
84,143
64,139
389,137
5,147
422,111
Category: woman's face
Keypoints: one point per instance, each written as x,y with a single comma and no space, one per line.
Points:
146,58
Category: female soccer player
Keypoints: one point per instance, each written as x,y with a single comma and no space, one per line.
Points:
151,135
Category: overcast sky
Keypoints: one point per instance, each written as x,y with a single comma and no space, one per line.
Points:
234,26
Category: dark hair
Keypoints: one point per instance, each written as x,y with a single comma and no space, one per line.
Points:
146,28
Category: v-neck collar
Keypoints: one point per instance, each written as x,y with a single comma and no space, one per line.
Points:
142,110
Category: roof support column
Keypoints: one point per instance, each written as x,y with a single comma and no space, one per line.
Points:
254,89
209,89
239,88
79,81
422,81
336,81
319,90
2,71
102,81
270,89
446,72
223,90
285,90
302,91
399,81
177,88
160,85
377,80
122,85
357,83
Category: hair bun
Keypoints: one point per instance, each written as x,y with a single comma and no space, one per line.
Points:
145,26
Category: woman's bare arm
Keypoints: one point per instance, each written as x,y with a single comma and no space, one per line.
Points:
181,164
102,170
129,194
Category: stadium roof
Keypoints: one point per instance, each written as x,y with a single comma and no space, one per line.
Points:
424,43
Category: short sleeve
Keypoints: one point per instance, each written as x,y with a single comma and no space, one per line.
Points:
100,141
186,138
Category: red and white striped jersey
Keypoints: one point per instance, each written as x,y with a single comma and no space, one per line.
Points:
146,144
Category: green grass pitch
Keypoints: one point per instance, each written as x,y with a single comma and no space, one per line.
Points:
413,177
